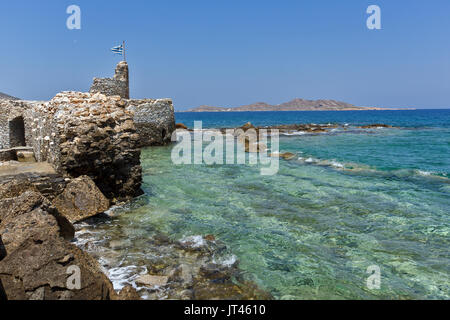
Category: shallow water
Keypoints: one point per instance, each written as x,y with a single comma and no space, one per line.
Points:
349,200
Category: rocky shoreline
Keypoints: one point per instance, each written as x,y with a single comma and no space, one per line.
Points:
191,268
70,159
63,164
41,237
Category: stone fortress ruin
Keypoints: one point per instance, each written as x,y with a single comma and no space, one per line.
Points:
63,161
98,134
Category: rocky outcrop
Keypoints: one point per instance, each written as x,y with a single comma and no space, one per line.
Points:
4,96
117,86
37,261
93,135
375,126
49,185
154,120
28,213
39,270
80,200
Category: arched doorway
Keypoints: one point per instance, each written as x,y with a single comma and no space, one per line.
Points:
17,133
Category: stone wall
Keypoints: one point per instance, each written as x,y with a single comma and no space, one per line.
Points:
15,123
117,86
154,120
89,134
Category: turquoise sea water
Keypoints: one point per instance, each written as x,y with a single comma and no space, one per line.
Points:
349,200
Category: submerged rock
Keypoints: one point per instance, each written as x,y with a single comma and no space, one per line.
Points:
150,280
285,155
194,267
376,125
80,200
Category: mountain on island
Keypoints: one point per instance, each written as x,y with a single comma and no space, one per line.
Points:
7,97
293,105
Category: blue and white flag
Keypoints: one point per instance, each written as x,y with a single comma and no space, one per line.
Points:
118,50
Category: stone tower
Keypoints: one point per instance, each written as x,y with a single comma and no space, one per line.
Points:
121,74
118,86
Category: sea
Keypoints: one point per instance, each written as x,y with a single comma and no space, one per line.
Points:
356,214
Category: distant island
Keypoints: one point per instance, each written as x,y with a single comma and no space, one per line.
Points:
7,97
293,105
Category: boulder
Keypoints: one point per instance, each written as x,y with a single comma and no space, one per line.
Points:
180,126
253,146
15,187
37,261
29,213
41,269
247,126
128,293
81,199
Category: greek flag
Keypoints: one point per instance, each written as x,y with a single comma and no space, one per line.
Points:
118,50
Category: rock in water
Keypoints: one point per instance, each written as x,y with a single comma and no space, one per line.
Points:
247,126
180,126
81,200
149,280
128,293
285,155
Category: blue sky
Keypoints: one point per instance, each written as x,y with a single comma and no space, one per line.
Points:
230,53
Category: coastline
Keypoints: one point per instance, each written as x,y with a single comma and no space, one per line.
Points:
321,110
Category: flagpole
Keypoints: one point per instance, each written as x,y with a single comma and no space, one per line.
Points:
124,57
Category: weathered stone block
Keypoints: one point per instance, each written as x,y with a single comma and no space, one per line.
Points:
154,120
80,200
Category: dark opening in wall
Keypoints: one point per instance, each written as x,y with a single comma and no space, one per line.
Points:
17,133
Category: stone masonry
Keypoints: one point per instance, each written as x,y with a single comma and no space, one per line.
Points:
97,134
154,120
117,86
93,135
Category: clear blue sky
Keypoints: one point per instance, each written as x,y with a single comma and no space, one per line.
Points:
230,53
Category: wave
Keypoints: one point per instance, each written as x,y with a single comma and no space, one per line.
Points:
351,167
